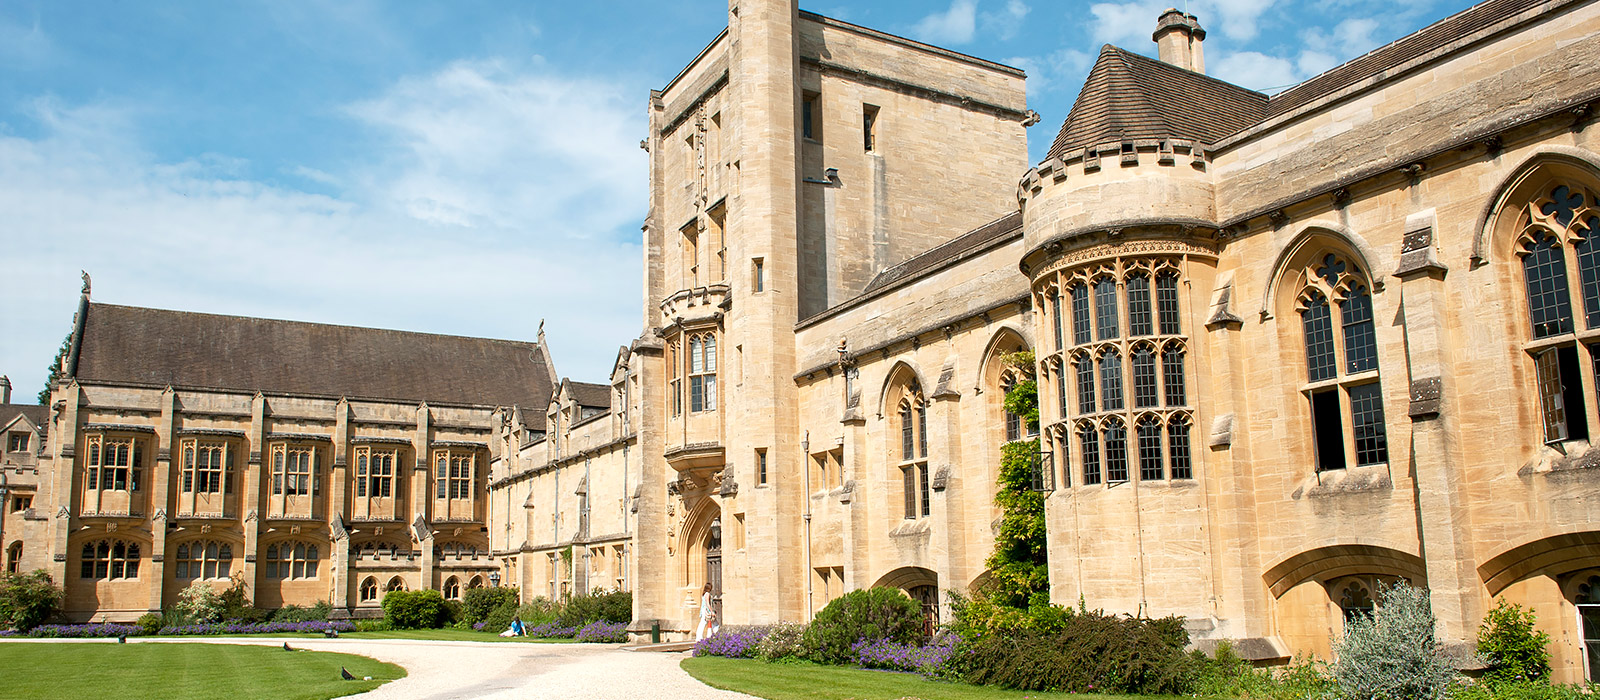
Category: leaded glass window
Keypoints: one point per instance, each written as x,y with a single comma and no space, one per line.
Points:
1149,434
1178,448
1089,439
1167,302
1366,419
1360,343
1116,451
1081,331
1055,315
1139,320
1562,215
1318,324
1086,401
1111,381
1549,306
1105,308
1172,375
1144,377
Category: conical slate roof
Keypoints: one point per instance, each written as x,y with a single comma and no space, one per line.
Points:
1128,96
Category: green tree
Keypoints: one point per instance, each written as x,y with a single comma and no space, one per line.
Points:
1018,566
55,371
1514,649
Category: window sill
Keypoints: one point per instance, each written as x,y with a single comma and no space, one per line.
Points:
1340,482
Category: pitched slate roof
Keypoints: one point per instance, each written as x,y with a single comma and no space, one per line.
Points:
1128,96
38,415
947,251
592,395
156,347
1429,38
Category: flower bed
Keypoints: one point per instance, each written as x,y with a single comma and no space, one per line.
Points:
731,643
551,630
313,626
103,629
603,632
927,660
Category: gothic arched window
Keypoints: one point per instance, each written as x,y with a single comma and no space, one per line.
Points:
1342,366
912,417
1564,216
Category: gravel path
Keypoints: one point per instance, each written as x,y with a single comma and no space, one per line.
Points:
438,670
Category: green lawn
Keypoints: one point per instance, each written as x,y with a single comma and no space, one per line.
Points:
183,671
813,682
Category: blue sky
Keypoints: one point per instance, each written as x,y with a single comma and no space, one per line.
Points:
467,167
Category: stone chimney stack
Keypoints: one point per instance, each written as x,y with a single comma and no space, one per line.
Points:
1178,37
5,389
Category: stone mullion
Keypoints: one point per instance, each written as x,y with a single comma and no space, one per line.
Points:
160,503
252,491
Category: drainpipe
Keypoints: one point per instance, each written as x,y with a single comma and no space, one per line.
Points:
805,471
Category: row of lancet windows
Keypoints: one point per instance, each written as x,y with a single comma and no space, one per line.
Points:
114,559
115,463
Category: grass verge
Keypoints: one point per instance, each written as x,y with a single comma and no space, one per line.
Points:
807,681
183,672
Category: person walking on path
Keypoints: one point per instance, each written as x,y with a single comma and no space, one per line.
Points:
707,615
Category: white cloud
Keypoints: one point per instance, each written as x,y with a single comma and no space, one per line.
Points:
513,197
1065,68
951,27
1005,23
1235,19
1126,24
25,44
1254,70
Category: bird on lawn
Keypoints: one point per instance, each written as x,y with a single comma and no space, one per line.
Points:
345,674
286,647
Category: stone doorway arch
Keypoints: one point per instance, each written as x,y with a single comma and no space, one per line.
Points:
702,538
921,585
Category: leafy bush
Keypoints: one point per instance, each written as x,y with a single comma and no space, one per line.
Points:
1391,654
499,619
929,660
539,611
199,603
1526,690
236,605
103,629
1228,675
149,623
579,610
1092,652
372,625
731,642
452,614
26,600
414,609
878,613
1514,650
479,602
296,613
782,641
602,631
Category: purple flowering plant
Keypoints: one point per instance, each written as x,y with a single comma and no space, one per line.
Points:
312,626
731,643
927,659
102,629
603,632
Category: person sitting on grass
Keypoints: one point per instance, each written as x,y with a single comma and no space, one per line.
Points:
516,629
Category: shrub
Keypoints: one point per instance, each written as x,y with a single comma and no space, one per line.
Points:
296,613
539,611
1525,690
1514,650
552,630
782,641
579,610
26,600
199,603
451,613
103,629
309,626
236,605
1228,675
878,613
1391,654
499,618
149,623
372,626
479,602
1092,652
414,609
731,642
602,631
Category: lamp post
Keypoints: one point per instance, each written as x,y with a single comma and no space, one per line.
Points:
494,579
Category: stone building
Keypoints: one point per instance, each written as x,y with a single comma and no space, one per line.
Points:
24,430
1289,348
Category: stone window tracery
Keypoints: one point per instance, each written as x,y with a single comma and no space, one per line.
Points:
1129,401
912,418
110,560
702,372
674,379
292,561
1560,219
455,472
294,470
114,463
204,559
369,590
375,472
207,466
1342,365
